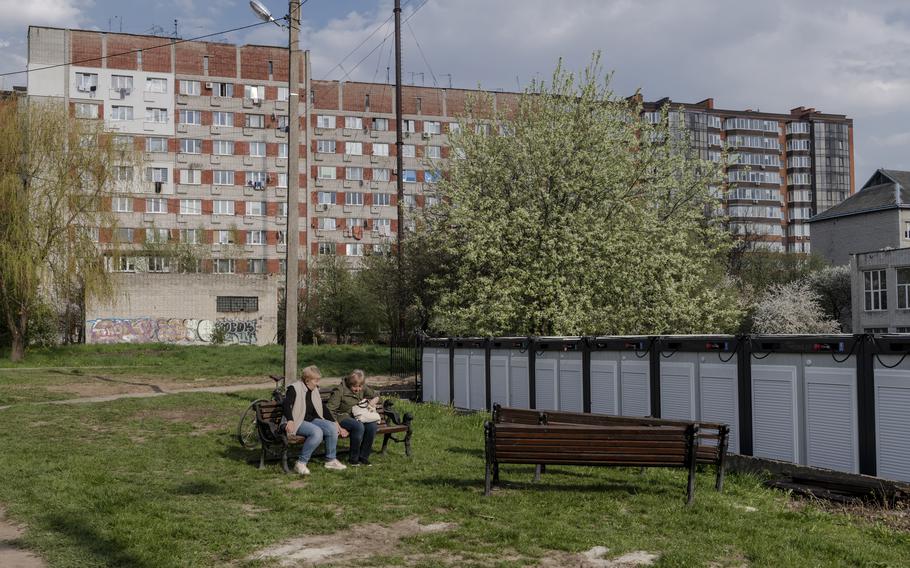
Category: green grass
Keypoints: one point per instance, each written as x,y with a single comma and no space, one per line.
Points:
45,373
161,482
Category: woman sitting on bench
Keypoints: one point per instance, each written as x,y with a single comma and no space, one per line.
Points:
307,415
346,396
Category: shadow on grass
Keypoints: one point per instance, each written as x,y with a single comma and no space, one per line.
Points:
107,551
199,487
542,485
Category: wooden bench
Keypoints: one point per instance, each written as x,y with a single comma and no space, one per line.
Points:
713,438
274,441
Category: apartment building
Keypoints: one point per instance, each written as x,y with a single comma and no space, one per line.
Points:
210,121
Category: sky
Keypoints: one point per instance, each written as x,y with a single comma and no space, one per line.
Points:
838,56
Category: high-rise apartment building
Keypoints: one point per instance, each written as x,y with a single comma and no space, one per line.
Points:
210,122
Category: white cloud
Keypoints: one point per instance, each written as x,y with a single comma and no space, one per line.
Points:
65,13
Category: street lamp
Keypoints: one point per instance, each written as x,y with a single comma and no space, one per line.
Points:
292,262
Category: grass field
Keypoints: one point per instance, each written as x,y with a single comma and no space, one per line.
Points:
80,370
161,482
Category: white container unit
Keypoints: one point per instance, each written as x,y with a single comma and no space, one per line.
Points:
634,385
570,391
499,377
775,407
461,371
546,370
477,379
892,417
832,431
605,382
519,391
428,373
442,377
677,385
718,394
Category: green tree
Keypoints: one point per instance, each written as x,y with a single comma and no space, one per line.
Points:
56,174
572,215
339,296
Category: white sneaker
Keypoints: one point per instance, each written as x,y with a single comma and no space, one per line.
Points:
335,464
302,469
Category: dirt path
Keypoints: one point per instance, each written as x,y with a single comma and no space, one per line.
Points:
11,556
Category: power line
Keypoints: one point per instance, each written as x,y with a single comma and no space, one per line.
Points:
424,57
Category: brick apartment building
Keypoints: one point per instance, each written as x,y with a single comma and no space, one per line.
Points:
210,118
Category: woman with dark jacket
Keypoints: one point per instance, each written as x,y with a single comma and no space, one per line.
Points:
351,392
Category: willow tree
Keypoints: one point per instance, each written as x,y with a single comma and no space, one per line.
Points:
567,213
57,173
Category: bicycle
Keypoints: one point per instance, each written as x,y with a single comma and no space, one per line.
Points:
247,432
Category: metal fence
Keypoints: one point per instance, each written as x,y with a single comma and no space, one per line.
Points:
404,358
840,402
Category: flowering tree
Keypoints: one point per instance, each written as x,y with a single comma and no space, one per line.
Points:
792,308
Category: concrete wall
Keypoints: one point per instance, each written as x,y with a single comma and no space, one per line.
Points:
181,308
894,319
836,239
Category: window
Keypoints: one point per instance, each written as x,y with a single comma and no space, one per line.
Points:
86,110
121,264
353,249
383,226
156,174
191,177
907,229
158,264
253,92
191,236
223,147
326,172
283,209
223,266
193,117
223,177
281,237
155,85
282,179
257,149
123,142
155,144
485,129
86,141
903,288
189,87
353,122
282,149
157,115
714,122
156,205
353,198
86,82
157,235
410,176
875,291
123,235
408,151
325,197
123,173
255,266
222,89
382,199
380,149
326,223
283,122
122,83
797,145
191,207
122,204
434,152
224,237
325,121
354,174
257,180
356,222
190,146
222,207
255,208
255,237
353,148
282,94
380,124
409,125
121,113
875,330
432,127
454,127
325,146
381,174
254,120
221,118
430,176
326,248
409,201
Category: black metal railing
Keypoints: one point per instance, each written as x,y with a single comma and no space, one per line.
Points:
404,360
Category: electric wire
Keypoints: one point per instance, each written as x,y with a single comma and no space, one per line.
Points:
424,57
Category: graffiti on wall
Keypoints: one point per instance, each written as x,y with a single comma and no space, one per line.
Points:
171,330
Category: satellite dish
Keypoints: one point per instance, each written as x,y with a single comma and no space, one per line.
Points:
261,11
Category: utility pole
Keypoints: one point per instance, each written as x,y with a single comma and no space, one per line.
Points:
399,159
292,263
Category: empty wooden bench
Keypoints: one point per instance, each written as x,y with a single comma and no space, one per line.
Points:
274,441
713,438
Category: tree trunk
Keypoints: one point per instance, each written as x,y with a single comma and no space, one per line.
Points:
19,331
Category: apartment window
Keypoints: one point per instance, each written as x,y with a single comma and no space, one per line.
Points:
356,222
434,152
122,142
257,149
353,249
713,139
86,82
797,145
123,235
191,177
155,85
907,229
380,149
156,174
353,198
223,266
221,118
484,129
875,290
381,124
255,237
410,176
353,148
875,330
123,173
224,237
255,266
281,237
190,87
382,174
325,146
254,120
283,209
191,236
353,122
432,127
255,208
354,174
257,180
409,125
122,264
714,122
282,94
222,89
325,121
86,110
326,172
408,151
155,144
409,201
454,127
191,207
122,204
157,115
190,146
157,235
282,122
222,207
326,223
431,176
384,226
282,179
156,205
120,113
903,288
326,248
431,201
193,117
223,147
223,177
282,149
382,199
325,197
158,264
253,92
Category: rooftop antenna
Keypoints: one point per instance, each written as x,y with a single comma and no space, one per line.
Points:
449,75
413,73
387,74
175,28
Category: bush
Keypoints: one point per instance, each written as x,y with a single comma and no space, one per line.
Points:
792,308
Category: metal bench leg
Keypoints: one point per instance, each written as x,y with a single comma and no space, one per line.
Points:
722,459
488,458
408,418
284,460
262,457
692,445
385,443
538,469
496,473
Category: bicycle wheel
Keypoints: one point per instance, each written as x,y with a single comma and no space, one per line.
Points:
246,430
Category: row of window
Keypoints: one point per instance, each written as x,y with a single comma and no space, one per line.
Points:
355,173
379,149
88,83
768,212
754,193
155,115
382,124
221,236
194,206
753,177
875,289
751,124
742,141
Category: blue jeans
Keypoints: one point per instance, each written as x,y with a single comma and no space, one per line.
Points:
362,436
315,432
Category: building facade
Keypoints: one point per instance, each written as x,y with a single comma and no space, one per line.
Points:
881,291
210,122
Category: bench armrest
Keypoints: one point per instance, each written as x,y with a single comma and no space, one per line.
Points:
394,417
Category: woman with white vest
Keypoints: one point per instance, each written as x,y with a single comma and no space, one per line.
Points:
308,416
